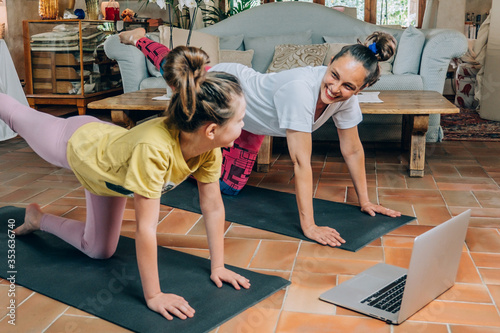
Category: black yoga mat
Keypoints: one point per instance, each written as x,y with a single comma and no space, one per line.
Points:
277,212
111,289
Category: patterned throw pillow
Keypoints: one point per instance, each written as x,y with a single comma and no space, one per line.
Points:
287,56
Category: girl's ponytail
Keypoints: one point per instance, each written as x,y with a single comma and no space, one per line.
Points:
198,97
184,73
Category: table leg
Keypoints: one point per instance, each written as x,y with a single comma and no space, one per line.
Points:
31,102
419,126
120,118
264,156
81,106
406,132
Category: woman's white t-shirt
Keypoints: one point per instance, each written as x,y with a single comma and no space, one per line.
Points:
287,100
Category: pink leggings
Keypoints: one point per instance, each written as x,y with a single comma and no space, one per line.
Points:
48,136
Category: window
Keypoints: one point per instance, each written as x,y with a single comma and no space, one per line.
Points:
358,4
383,12
398,12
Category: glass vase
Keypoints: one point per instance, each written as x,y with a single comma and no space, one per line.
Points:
48,9
92,9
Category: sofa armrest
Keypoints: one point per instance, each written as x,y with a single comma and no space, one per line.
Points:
131,61
441,45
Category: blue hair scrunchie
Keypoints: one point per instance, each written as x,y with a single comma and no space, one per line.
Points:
373,47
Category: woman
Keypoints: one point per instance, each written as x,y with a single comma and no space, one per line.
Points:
113,163
292,104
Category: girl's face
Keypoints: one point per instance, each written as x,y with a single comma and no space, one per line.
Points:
231,130
343,78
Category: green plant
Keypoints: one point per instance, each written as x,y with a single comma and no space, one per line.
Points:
214,14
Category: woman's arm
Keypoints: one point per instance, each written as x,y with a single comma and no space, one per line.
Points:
300,148
146,213
213,212
354,156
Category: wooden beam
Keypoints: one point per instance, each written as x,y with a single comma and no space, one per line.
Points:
421,11
371,11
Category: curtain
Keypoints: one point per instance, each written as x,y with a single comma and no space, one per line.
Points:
430,15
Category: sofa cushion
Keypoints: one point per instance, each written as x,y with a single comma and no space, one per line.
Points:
386,66
264,47
153,82
398,82
233,42
409,51
333,49
235,56
352,39
208,43
288,56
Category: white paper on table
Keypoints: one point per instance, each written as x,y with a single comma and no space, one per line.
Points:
369,97
162,98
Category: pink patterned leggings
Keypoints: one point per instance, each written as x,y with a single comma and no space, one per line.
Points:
237,161
48,136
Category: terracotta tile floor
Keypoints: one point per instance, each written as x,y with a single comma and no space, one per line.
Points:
459,175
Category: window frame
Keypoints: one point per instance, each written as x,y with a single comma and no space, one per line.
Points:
371,10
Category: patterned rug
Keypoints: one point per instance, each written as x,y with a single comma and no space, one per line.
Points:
467,125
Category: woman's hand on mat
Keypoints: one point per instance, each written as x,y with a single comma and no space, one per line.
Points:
323,235
169,305
222,274
371,209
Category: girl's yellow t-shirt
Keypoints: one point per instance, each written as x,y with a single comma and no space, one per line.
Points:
112,161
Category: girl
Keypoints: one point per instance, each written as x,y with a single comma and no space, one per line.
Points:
206,112
292,104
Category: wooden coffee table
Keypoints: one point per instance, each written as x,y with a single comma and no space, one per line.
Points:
414,105
136,104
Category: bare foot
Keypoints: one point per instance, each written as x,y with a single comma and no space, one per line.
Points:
130,37
31,220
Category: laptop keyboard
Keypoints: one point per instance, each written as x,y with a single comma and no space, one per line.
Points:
388,298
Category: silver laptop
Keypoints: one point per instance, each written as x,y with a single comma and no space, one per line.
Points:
392,293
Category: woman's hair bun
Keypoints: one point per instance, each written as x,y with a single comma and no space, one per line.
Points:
382,44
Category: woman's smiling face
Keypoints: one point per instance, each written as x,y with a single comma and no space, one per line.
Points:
343,78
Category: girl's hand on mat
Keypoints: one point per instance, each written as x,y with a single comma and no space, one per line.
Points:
221,274
169,305
324,235
372,209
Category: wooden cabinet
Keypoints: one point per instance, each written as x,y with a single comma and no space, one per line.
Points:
65,63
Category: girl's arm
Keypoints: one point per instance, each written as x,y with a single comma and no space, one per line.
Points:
354,156
300,148
146,213
213,212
